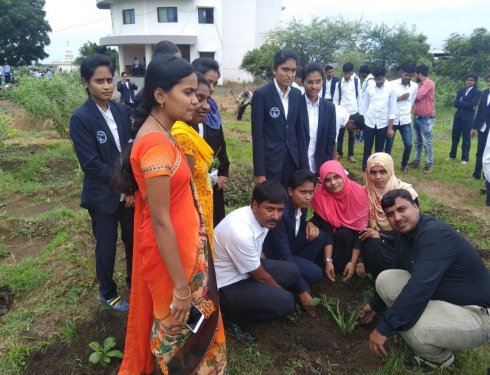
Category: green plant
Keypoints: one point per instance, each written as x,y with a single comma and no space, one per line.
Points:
103,354
345,321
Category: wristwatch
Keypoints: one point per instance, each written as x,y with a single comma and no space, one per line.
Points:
327,260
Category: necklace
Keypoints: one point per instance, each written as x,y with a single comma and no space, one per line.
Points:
163,127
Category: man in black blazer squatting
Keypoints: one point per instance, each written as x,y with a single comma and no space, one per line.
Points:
279,144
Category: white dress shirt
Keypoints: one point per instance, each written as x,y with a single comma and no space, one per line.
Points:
348,98
284,97
380,105
313,109
404,107
238,241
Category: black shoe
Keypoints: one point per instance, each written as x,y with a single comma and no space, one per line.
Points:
241,334
483,190
424,366
413,165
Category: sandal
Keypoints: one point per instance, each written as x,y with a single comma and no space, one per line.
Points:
117,303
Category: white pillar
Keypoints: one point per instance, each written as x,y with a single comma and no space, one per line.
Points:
148,53
122,65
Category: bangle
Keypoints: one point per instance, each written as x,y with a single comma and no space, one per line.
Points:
328,260
183,298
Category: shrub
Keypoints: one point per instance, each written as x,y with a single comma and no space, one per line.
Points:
6,127
239,187
54,99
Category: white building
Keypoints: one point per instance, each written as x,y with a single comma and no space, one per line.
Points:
66,65
222,29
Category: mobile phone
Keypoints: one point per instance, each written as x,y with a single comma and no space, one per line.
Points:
196,318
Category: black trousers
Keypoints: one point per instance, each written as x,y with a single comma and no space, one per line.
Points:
250,301
340,142
482,141
104,227
373,136
461,129
378,254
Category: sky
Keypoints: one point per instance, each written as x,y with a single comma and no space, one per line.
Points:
78,21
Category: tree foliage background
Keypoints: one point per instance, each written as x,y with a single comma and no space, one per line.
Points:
23,31
90,48
337,40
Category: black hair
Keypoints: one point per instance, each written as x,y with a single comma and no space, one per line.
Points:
422,69
328,67
281,56
164,72
472,75
408,68
90,65
358,120
379,72
205,64
364,69
166,47
300,177
269,190
348,67
201,79
389,198
299,72
312,67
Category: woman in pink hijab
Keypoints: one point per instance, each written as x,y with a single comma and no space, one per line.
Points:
341,210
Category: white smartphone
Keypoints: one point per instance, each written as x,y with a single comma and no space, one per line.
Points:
196,318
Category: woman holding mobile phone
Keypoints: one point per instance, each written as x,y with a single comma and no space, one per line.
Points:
172,264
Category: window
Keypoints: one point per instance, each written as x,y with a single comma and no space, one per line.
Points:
167,14
207,55
128,16
205,15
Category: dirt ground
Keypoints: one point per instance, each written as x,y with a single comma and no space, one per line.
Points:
315,345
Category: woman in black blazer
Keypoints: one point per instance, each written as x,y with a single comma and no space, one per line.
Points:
100,130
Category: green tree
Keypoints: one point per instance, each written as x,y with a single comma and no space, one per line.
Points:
466,54
393,46
258,62
23,31
90,48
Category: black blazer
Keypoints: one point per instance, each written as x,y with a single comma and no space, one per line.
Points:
482,112
97,153
127,94
326,132
279,242
273,135
466,104
332,86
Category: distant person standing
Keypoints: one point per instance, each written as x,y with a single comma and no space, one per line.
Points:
466,101
424,111
278,137
348,95
1,74
136,67
481,124
380,112
329,83
6,72
127,88
405,90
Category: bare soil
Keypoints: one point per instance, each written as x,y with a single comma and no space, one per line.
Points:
314,344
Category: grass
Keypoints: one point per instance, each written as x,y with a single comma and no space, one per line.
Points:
62,274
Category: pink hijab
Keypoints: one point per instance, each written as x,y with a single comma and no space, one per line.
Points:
348,208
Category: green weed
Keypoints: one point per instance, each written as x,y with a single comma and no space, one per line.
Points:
345,321
24,276
104,353
249,360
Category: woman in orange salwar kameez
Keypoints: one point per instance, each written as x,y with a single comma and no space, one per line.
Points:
172,264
